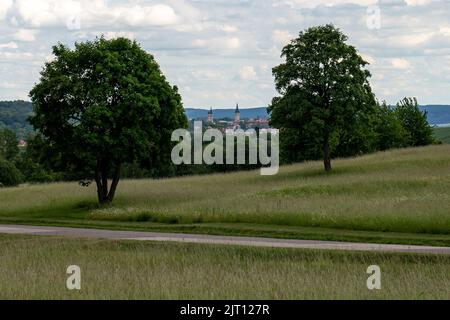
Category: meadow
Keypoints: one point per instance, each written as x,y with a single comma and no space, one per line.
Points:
442,134
35,268
399,196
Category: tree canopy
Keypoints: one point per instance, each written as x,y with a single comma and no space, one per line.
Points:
324,90
103,104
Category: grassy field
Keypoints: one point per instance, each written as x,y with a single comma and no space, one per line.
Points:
442,134
397,196
35,268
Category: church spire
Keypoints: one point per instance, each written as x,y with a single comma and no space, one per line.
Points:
237,115
210,115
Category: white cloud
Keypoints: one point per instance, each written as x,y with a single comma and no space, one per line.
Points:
157,15
412,40
199,43
282,37
400,63
190,18
45,13
417,2
329,3
368,58
217,44
26,35
207,74
8,85
445,31
229,28
247,73
5,5
16,55
232,43
9,45
264,67
118,34
51,13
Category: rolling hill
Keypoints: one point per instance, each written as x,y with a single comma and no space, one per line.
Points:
194,113
442,134
14,114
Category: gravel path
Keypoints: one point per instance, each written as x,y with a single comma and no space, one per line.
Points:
224,240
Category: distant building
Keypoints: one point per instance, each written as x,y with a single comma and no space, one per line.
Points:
229,125
22,144
237,115
210,116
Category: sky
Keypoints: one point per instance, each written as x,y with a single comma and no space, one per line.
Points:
221,52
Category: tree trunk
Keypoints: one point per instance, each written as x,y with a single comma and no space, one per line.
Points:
101,195
115,182
327,155
104,195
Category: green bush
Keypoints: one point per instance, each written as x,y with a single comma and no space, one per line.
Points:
9,175
389,131
414,121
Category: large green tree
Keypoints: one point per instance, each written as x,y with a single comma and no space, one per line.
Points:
103,104
324,89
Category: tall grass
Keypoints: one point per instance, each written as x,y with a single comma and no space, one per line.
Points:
403,191
35,268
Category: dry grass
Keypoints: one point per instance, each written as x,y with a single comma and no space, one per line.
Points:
35,268
403,191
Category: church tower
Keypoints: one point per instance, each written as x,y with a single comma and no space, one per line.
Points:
237,115
210,116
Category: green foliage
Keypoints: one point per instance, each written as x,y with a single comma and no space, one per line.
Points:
38,164
29,162
414,121
102,105
9,175
326,107
324,91
389,132
9,145
357,138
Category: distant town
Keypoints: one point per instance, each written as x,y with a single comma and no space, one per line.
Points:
229,125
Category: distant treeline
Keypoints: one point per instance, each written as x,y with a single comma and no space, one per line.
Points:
14,115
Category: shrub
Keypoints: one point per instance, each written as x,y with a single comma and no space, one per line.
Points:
9,175
389,130
414,121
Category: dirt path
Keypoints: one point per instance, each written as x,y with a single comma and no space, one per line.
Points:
224,240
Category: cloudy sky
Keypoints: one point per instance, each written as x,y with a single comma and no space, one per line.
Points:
219,52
